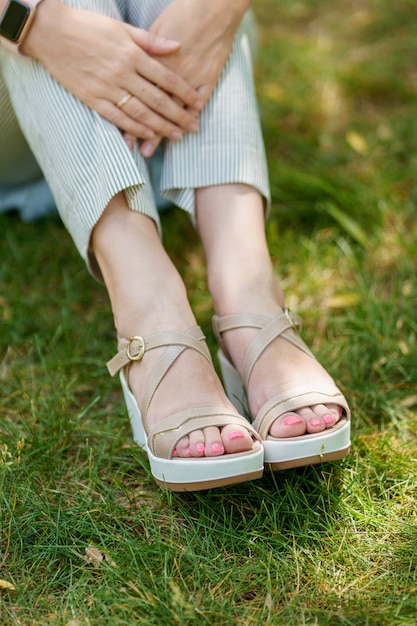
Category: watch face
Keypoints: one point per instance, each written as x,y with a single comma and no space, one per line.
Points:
14,20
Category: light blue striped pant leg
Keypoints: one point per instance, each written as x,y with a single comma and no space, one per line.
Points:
229,147
83,157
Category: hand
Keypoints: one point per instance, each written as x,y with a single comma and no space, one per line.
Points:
100,60
206,36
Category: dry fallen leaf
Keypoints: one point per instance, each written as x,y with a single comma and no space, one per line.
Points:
357,142
94,556
4,584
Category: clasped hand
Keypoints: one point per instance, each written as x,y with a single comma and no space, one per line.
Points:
170,71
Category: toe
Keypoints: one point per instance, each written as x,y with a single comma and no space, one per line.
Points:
236,439
183,448
213,442
314,422
197,445
288,425
329,413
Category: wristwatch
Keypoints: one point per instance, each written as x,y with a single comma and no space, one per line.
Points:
15,21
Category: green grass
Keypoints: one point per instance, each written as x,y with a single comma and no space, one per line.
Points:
331,545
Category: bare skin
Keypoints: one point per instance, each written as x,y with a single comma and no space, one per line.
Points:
169,84
100,59
241,279
205,47
148,296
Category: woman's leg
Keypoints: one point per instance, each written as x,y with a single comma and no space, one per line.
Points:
241,279
148,296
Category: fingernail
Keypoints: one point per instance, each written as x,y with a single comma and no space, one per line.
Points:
129,142
216,447
176,135
193,128
327,419
171,43
199,104
146,149
290,421
236,434
315,423
200,447
148,133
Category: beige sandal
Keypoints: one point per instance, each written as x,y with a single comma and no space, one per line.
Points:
181,474
282,453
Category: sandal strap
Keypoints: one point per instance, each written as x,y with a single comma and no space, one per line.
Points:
283,325
133,349
291,400
163,439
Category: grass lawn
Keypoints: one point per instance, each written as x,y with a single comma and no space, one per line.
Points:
86,537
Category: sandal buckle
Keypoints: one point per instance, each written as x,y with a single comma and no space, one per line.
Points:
294,320
138,353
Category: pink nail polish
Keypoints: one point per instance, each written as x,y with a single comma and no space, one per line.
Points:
236,434
216,447
200,448
327,419
293,419
175,452
315,422
187,452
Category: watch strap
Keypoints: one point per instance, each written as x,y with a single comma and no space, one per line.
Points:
6,43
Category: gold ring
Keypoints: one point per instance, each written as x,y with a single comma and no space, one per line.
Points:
124,101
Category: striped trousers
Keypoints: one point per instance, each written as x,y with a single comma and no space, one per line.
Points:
84,158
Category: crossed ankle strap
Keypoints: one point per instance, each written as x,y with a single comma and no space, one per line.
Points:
283,325
133,350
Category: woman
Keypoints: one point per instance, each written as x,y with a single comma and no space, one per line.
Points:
91,71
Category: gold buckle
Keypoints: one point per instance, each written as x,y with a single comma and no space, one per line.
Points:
290,318
140,353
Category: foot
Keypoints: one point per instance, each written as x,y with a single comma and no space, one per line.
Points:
281,367
190,382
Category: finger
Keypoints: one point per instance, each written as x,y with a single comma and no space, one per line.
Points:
170,82
149,146
205,92
162,104
152,43
123,121
129,140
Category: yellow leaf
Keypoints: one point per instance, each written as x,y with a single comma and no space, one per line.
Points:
274,92
341,300
4,584
357,142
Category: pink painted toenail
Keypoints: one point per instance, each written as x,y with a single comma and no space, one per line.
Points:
216,447
315,423
175,452
236,434
200,448
327,419
293,419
